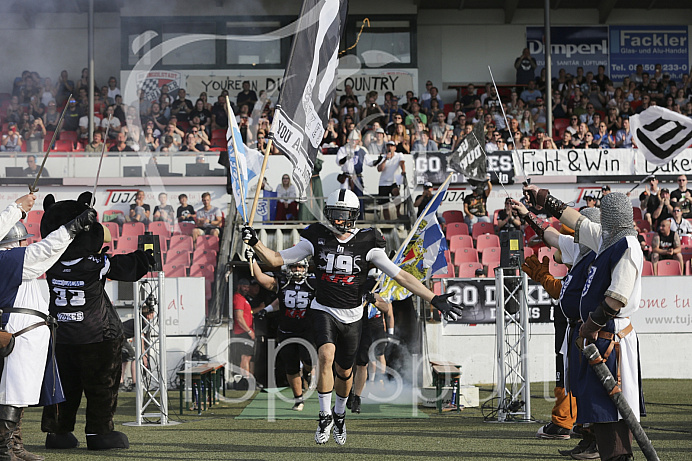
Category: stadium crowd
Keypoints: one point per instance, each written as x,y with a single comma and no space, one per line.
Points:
589,111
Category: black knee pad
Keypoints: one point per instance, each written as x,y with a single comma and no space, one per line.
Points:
342,378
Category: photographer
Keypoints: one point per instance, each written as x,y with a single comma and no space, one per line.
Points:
12,141
508,218
34,135
423,199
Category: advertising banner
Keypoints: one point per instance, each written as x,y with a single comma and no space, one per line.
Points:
598,162
572,47
434,167
648,46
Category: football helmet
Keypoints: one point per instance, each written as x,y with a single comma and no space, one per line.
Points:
298,270
342,205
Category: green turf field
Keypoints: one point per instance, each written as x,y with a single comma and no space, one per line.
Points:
221,434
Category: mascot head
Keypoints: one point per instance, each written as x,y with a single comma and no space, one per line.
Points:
55,214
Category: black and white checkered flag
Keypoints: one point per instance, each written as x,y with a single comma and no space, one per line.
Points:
661,134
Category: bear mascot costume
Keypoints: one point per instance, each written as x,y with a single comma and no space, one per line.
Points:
89,334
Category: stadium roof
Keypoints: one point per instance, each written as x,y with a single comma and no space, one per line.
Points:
604,7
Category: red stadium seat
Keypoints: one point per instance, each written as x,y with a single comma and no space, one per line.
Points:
208,242
132,229
647,269
202,256
184,228
490,256
468,270
450,272
174,271
63,146
465,255
668,267
456,228
560,125
35,229
637,212
460,241
528,251
558,270
113,228
487,241
181,242
451,216
128,243
545,251
178,257
34,216
491,269
481,228
648,237
202,270
69,136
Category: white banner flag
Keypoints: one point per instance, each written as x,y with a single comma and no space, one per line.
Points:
661,134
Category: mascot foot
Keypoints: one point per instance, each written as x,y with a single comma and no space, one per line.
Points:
61,441
107,441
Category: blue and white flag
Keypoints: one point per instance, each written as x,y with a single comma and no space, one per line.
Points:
425,251
237,164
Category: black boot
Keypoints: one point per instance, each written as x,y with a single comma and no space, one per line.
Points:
113,439
9,419
61,441
18,444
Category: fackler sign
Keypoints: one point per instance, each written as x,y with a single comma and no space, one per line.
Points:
648,46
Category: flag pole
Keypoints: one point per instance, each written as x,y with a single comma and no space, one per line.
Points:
417,223
240,176
260,179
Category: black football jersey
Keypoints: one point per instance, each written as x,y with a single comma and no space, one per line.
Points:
341,267
294,301
78,298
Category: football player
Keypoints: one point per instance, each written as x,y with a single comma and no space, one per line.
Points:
342,254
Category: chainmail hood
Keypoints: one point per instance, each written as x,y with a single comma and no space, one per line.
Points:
593,215
617,219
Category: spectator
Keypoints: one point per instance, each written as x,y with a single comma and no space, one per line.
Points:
164,211
72,115
151,142
595,96
426,104
182,107
190,144
664,209
113,89
540,137
128,352
185,212
469,99
158,118
559,106
438,127
247,96
475,209
590,201
589,142
526,69
121,144
139,211
526,124
287,195
96,145
426,94
425,198
14,110
415,115
242,325
350,157
175,133
392,111
508,218
666,245
538,114
65,87
679,194
104,96
649,199
34,136
48,92
530,94
492,144
388,184
203,114
32,168
603,138
209,219
84,125
678,223
623,138
566,142
12,141
424,144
